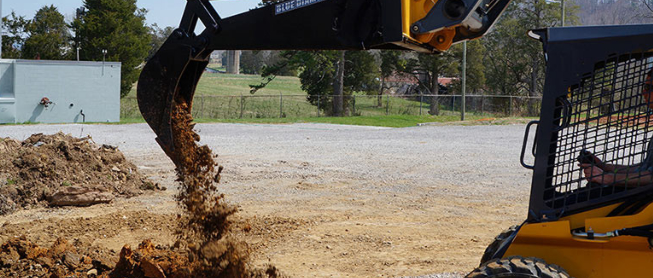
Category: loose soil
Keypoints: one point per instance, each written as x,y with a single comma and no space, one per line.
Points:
33,170
205,246
374,203
205,224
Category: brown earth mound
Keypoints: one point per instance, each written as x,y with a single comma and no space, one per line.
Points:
206,245
63,170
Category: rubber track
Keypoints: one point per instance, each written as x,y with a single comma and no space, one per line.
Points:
518,267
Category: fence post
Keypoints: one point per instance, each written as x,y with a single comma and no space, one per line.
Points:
482,105
510,106
453,103
280,105
421,100
354,105
242,104
201,113
387,105
318,106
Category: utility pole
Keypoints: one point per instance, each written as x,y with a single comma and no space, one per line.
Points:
462,105
562,4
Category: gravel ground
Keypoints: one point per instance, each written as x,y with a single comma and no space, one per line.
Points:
466,156
378,171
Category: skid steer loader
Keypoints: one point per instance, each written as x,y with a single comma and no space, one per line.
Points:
593,113
596,111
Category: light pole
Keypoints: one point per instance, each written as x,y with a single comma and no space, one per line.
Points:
562,3
464,82
104,55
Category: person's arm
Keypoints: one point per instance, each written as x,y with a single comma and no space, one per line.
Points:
594,173
620,168
614,167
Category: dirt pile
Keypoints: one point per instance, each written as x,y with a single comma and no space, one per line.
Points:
206,246
34,171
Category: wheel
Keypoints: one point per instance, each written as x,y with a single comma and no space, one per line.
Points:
498,240
518,267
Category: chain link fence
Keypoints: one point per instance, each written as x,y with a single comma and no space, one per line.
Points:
299,106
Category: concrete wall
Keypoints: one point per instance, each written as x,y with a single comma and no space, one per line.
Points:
7,100
79,91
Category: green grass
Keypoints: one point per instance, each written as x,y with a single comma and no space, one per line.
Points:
383,121
222,84
226,98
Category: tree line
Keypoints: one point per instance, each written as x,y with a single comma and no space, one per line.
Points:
111,30
504,62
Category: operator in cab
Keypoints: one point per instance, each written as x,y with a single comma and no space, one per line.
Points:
624,175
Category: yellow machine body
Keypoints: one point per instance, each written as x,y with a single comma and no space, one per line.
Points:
623,256
414,10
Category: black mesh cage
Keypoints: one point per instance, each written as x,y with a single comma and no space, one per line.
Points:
604,123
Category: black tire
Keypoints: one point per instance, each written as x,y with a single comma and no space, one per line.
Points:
498,240
518,267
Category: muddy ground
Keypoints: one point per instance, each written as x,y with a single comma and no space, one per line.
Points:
317,200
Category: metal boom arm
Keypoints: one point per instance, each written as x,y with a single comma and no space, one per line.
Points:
418,25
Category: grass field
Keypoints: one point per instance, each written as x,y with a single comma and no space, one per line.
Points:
383,121
226,98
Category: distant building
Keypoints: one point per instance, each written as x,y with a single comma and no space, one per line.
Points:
42,91
406,84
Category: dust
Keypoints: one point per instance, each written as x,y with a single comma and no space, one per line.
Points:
41,167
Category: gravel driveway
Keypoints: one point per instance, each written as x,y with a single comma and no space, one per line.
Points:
467,176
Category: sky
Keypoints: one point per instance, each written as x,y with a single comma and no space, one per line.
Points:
162,12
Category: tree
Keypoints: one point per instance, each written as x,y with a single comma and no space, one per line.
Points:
337,73
159,36
515,64
16,29
118,27
475,67
49,36
426,68
389,64
324,74
251,62
611,12
255,62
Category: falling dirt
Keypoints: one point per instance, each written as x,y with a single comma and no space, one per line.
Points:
205,225
43,167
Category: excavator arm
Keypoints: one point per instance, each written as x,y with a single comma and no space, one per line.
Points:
169,78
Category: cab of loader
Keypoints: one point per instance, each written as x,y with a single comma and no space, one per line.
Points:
594,104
